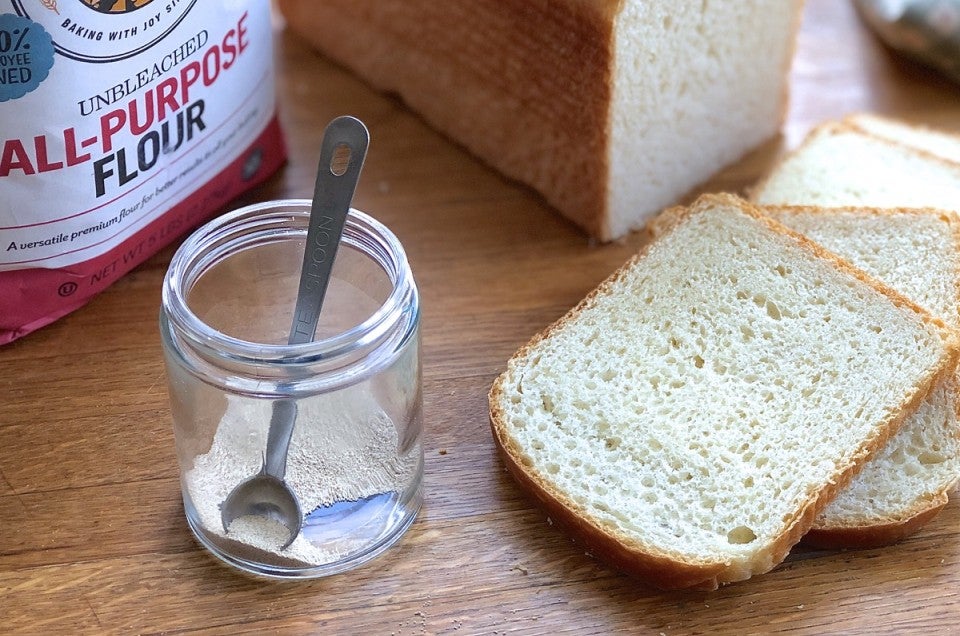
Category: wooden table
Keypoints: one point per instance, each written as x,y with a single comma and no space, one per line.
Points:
92,533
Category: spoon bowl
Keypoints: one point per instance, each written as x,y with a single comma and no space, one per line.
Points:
267,494
263,495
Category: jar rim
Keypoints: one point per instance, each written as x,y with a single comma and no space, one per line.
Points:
378,243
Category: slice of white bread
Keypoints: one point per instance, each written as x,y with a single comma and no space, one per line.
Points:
936,142
611,109
840,165
916,252
689,419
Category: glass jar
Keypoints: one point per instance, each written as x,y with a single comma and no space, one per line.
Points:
355,459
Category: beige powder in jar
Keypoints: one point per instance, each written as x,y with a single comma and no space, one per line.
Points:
344,448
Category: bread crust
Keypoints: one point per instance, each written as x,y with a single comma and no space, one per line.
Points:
675,571
875,535
515,111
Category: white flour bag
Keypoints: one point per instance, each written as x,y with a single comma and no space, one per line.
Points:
123,124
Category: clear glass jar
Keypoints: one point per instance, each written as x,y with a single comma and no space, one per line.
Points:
355,459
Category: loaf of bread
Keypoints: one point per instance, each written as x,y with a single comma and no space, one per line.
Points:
691,417
611,109
840,165
917,252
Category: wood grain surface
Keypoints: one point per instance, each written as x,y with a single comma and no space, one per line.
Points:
92,533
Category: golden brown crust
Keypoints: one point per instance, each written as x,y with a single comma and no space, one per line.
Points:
515,111
670,571
876,535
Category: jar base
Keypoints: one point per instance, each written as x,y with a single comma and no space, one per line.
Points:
368,526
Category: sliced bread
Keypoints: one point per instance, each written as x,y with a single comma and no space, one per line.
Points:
841,165
918,253
610,109
936,142
689,419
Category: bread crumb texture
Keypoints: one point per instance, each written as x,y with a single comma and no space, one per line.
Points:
699,402
687,99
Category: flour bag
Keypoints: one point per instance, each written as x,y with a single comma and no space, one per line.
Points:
123,124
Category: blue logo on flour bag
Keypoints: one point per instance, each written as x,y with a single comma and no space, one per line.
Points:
80,32
26,56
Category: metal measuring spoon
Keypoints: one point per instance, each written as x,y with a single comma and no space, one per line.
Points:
342,152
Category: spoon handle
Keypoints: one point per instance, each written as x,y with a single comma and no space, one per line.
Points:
342,152
283,416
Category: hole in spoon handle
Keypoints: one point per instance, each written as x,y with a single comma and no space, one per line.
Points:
341,160
342,152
